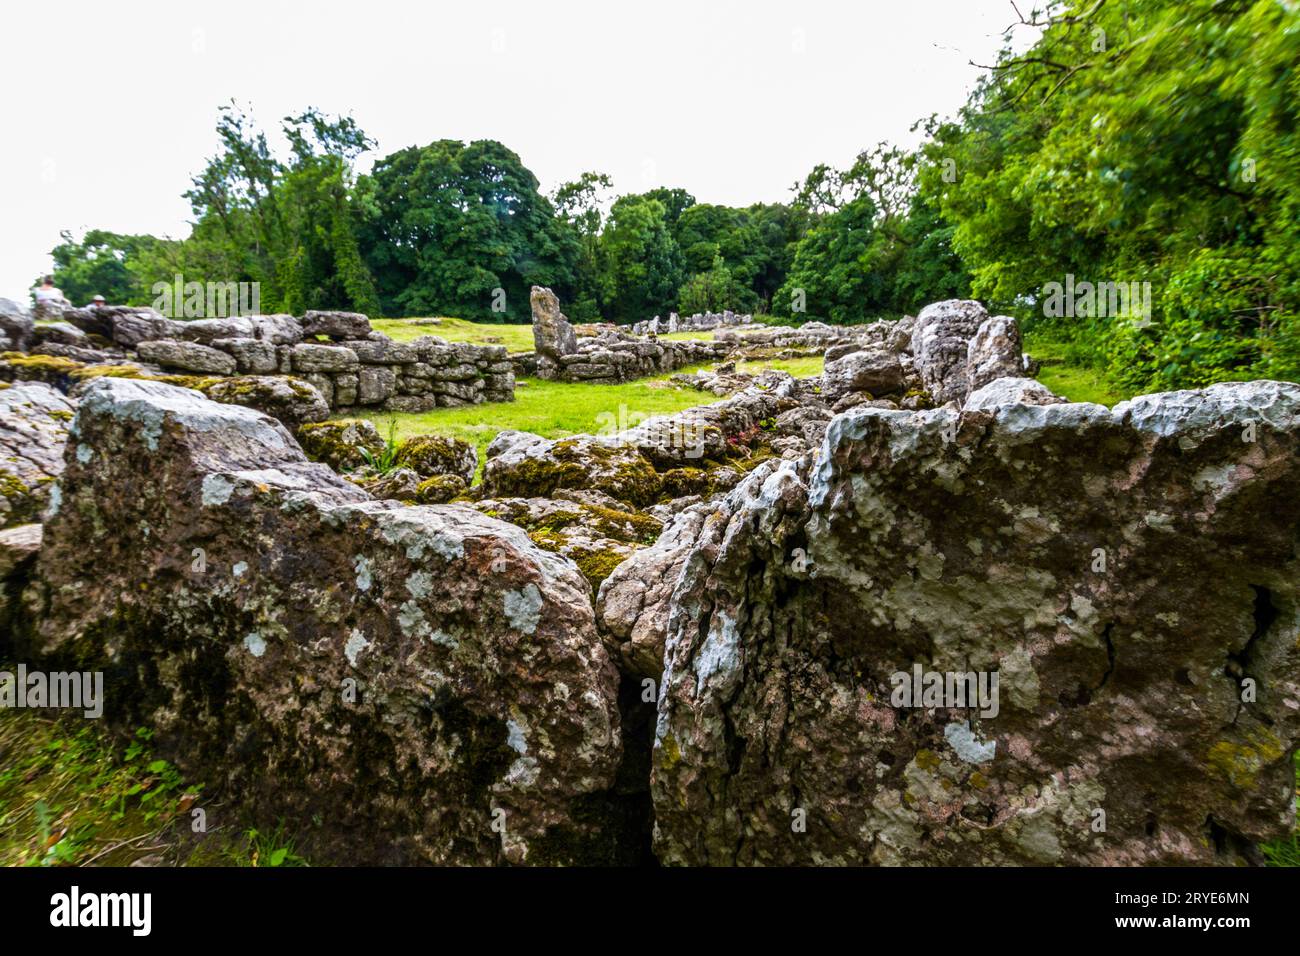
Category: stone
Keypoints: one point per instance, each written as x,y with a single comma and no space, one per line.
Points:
524,465
207,331
553,336
352,666
311,357
345,444
34,421
1126,572
278,329
252,356
16,325
1011,391
291,401
634,602
432,455
995,351
186,357
335,325
375,384
131,326
940,344
19,545
877,371
60,333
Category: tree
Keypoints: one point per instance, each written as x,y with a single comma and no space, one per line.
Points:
579,204
461,229
642,262
102,263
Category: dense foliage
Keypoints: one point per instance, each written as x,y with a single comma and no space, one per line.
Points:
1153,142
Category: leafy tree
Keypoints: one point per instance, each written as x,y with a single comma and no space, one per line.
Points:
102,263
1153,141
579,204
642,262
461,229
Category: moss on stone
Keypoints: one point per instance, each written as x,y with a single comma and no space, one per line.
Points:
439,489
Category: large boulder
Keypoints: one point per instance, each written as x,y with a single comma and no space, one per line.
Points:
432,455
424,675
345,444
553,336
523,465
291,401
940,345
34,420
876,371
1129,575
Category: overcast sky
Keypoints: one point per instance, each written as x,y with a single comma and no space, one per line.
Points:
108,109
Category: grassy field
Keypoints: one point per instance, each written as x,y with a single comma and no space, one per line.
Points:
1065,375
516,338
558,409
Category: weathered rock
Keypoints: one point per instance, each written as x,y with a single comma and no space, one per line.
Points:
252,356
310,357
18,546
553,336
440,489
635,600
1011,391
291,401
208,331
399,484
59,333
375,384
1129,574
415,674
876,371
432,455
129,326
594,531
34,420
996,351
186,356
335,325
524,465
16,326
344,444
941,343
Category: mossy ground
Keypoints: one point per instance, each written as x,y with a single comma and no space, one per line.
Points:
72,795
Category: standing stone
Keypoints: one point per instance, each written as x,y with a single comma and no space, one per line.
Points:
941,343
994,352
553,336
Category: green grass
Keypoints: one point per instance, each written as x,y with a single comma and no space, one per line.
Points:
516,338
1065,374
73,795
706,335
559,409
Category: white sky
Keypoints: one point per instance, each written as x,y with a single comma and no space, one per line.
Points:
108,109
